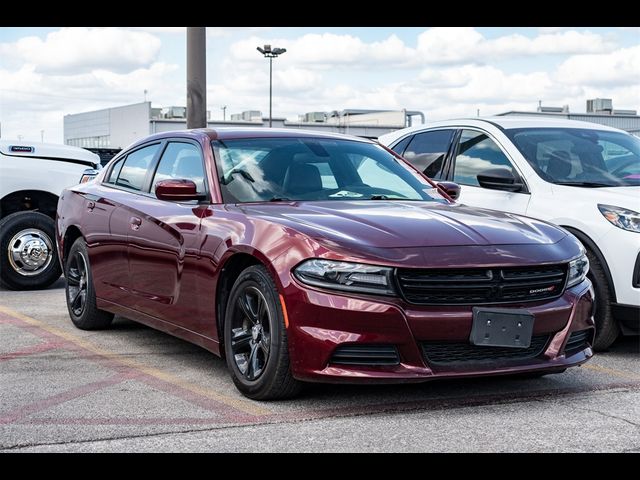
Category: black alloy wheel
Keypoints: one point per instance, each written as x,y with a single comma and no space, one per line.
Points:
77,283
251,333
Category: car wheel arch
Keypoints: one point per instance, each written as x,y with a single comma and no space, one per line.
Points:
231,266
71,234
591,245
42,201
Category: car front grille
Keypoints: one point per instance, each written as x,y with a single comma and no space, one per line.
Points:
366,355
464,353
478,286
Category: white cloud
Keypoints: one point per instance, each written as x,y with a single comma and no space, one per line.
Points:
78,49
321,51
445,72
31,101
621,67
161,29
437,46
551,29
459,45
215,32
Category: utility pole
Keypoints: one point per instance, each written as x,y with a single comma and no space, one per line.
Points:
42,136
196,77
224,113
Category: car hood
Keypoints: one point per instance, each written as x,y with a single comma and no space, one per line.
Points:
396,224
625,197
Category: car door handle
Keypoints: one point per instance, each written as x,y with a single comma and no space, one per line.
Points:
135,223
91,206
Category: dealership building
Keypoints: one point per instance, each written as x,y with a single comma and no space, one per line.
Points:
115,128
599,110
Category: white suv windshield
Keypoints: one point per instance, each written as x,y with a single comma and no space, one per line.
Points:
581,157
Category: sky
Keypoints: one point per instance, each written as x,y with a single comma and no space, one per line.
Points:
445,72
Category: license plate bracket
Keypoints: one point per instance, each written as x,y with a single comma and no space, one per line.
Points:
501,327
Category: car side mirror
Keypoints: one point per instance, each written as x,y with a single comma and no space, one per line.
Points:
177,190
499,179
450,188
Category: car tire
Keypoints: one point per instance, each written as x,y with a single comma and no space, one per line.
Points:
255,338
80,292
34,232
607,329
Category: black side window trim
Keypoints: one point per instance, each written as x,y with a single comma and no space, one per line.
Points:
447,170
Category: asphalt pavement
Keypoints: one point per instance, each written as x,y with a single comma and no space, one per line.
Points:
131,388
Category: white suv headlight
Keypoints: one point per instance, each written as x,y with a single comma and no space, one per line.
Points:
352,277
621,217
578,270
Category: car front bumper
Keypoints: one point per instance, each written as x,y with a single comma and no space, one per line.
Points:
320,323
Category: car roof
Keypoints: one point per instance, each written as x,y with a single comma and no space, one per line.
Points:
53,151
227,133
502,122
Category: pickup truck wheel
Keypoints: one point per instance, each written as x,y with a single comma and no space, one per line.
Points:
28,255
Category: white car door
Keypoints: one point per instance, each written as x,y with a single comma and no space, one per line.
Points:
476,153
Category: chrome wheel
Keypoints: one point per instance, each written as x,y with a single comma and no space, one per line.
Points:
30,252
77,277
251,333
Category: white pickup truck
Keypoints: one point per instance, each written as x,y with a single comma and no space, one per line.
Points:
32,177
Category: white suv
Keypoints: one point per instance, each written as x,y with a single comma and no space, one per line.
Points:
32,177
581,176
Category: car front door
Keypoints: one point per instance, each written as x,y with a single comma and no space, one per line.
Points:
164,240
477,152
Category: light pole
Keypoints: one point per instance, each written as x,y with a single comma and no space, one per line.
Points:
271,53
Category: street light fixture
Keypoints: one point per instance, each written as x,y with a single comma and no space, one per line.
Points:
271,53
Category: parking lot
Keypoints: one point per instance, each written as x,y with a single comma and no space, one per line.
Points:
131,388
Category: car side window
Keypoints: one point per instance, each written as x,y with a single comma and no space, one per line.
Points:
476,153
115,171
427,151
402,144
181,160
134,170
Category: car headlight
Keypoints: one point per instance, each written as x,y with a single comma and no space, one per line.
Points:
351,277
578,270
621,217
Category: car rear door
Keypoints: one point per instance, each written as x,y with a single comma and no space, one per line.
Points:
476,151
164,239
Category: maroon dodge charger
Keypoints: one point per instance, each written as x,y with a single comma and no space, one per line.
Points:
303,256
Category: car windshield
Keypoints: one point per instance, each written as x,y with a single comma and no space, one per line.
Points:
581,157
311,169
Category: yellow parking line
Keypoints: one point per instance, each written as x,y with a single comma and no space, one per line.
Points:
612,371
240,404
